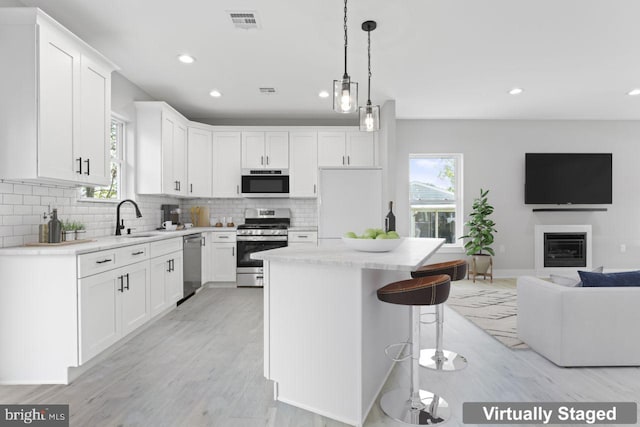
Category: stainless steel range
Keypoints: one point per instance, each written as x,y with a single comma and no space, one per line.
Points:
263,229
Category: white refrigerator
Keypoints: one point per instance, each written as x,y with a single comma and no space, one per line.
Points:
350,199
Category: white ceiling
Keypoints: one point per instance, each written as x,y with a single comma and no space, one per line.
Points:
576,59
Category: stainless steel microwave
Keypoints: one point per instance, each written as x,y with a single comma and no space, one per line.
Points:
265,183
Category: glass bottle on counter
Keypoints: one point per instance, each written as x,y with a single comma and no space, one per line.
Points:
390,220
55,228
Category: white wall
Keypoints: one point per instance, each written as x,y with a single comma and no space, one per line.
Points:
494,159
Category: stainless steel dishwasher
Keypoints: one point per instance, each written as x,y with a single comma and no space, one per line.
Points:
192,271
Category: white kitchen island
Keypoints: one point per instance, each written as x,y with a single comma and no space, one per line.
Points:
325,330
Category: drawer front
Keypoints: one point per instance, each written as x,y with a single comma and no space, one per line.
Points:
303,237
164,247
224,237
96,262
130,254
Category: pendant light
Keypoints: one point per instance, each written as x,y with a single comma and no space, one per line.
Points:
345,92
369,114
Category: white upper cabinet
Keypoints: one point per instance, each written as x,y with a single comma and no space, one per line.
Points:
92,150
265,150
303,164
161,150
360,149
346,149
56,102
200,162
227,167
331,149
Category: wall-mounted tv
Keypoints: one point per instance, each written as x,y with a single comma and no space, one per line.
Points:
568,178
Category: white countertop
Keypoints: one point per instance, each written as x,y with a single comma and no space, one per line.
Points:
106,242
410,255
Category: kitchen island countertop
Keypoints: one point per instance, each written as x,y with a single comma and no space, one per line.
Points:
411,254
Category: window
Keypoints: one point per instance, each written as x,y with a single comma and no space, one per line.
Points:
435,196
113,191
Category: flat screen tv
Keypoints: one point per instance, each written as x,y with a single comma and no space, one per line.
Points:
568,178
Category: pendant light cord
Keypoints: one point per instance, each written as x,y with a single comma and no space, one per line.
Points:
369,65
345,40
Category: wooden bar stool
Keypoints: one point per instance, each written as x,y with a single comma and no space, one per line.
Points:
438,358
419,407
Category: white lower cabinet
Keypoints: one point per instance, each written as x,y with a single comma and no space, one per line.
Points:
223,256
166,281
302,239
207,257
112,304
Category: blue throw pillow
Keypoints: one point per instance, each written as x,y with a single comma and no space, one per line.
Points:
594,280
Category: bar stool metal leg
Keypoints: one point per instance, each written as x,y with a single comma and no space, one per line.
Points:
420,407
437,358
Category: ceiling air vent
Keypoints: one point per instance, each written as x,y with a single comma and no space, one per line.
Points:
268,90
245,20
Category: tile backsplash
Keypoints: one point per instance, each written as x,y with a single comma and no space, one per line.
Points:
303,211
22,206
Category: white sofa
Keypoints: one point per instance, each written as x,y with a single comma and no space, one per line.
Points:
580,326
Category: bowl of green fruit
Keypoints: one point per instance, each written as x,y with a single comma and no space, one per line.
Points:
372,240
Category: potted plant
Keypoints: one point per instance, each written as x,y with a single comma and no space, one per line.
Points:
80,230
480,237
68,231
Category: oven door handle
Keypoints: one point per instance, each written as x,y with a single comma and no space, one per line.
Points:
262,238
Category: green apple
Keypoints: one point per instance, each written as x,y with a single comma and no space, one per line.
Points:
382,236
393,235
370,234
351,235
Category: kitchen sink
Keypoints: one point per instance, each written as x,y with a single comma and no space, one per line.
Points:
133,236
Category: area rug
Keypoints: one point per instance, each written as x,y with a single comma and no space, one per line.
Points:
490,306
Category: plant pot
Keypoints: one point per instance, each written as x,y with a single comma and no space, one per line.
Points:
68,235
481,265
80,234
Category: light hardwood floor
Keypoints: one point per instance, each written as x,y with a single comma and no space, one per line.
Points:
201,365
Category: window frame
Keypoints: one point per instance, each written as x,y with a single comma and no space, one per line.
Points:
121,161
458,246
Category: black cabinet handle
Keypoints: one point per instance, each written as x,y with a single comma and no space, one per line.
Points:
233,251
121,278
191,187
103,261
88,166
176,186
138,253
168,266
79,160
267,160
204,241
127,287
343,160
179,185
262,160
348,160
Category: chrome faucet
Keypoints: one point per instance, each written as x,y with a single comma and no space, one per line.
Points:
120,226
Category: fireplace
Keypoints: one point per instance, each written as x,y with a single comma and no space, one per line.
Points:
562,249
565,250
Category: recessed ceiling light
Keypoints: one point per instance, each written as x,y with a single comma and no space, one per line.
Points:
186,59
215,93
323,94
516,91
634,92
